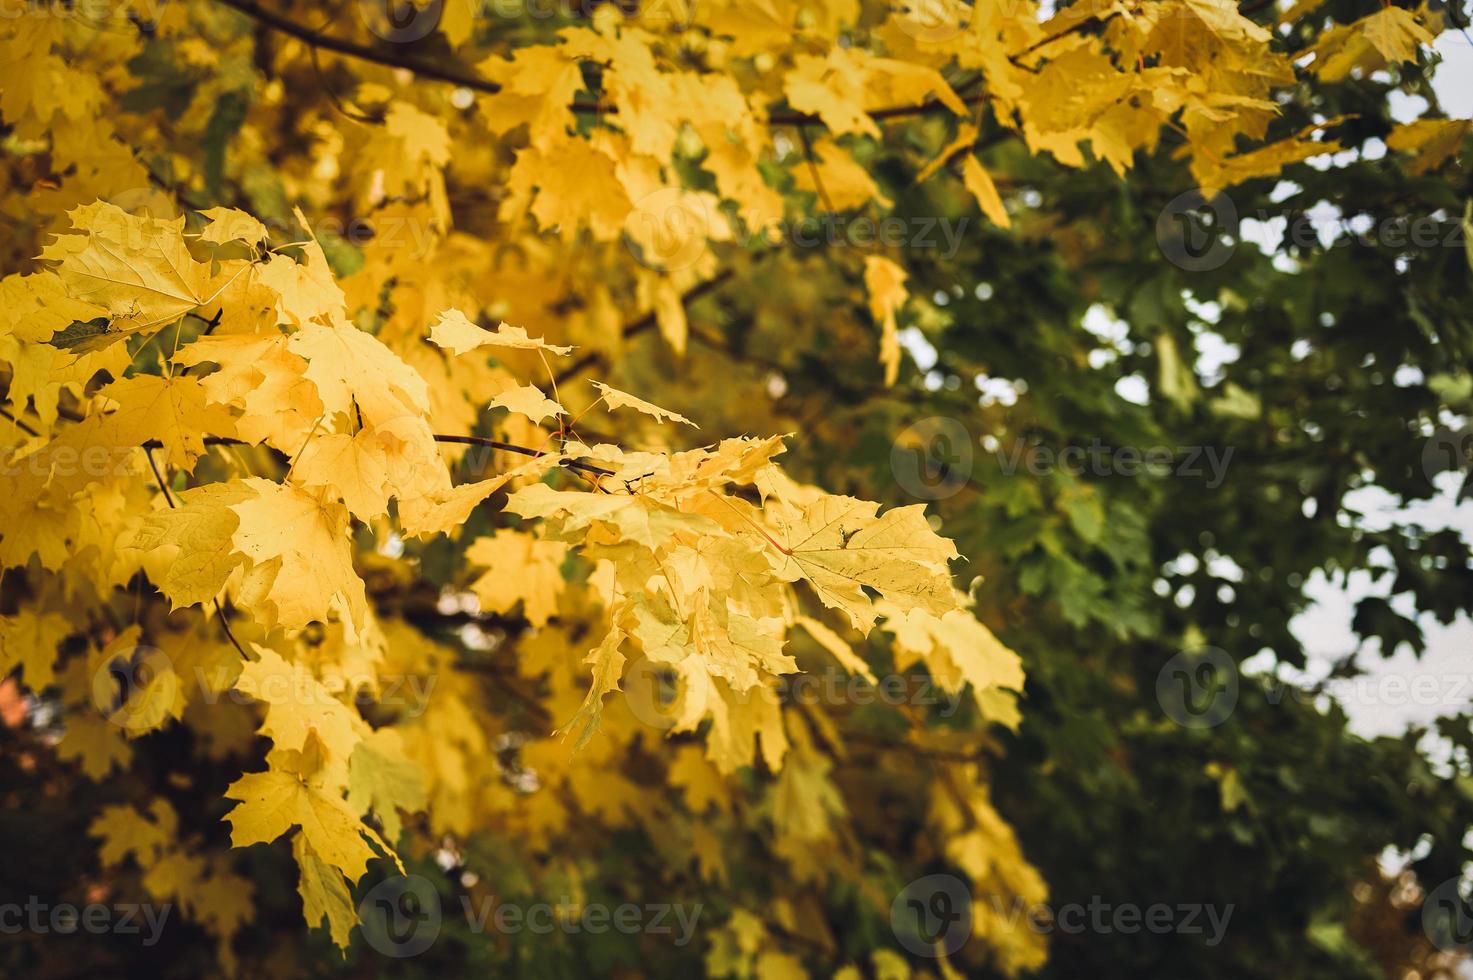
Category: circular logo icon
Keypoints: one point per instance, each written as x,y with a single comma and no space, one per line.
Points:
932,916
1197,234
1447,451
661,695
1446,918
402,21
400,916
1198,688
932,459
135,688
930,21
668,229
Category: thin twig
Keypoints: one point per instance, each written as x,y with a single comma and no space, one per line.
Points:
648,321
19,424
169,499
478,83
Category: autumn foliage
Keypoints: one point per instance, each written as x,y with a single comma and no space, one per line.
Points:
378,500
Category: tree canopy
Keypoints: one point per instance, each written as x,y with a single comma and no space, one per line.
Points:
776,489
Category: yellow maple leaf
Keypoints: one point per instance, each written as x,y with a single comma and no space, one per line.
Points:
299,706
355,466
29,640
193,542
272,802
229,225
138,269
1391,34
455,332
979,182
302,563
522,568
174,411
382,778
885,283
840,547
528,400
615,398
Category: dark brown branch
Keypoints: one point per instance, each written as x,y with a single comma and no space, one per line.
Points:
315,39
923,751
19,424
646,322
571,464
468,79
878,115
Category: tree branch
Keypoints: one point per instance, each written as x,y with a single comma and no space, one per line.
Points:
316,39
571,464
586,361
169,499
469,79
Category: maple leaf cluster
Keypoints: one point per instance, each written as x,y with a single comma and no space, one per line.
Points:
239,437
